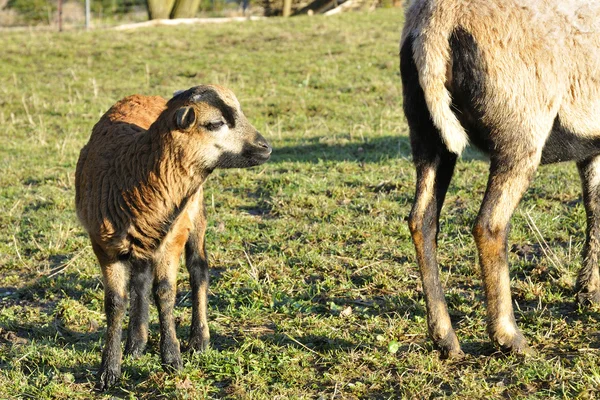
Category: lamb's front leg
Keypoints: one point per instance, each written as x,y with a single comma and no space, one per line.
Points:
165,289
197,265
137,333
588,280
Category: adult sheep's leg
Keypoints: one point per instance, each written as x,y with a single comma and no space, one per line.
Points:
197,265
164,289
115,274
588,280
509,178
433,177
137,333
435,166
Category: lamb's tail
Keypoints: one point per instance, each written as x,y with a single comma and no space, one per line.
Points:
431,53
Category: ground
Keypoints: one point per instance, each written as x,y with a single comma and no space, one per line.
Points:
315,291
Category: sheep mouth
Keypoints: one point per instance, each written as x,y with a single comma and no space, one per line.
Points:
249,157
259,153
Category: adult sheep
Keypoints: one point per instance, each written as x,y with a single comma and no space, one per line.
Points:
139,196
520,79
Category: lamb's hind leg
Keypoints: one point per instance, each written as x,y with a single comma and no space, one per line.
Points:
197,265
509,178
588,280
115,275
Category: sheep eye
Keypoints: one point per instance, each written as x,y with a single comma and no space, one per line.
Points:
214,125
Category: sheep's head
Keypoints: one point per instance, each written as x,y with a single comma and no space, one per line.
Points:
210,124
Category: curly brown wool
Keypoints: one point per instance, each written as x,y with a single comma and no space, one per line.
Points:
139,196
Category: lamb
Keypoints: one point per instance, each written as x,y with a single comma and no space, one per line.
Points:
139,196
520,80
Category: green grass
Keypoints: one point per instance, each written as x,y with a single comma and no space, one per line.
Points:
327,303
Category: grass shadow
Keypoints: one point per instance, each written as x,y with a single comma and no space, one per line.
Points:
406,306
312,343
371,150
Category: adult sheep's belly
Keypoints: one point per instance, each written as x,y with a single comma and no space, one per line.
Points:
564,144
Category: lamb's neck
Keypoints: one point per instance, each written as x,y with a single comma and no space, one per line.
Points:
176,176
166,178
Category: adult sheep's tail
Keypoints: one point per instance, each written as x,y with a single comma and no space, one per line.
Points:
430,25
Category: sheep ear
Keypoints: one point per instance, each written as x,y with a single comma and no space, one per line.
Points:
185,117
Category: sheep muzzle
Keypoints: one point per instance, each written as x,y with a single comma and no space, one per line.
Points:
258,151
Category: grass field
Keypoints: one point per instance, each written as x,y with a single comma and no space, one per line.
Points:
315,292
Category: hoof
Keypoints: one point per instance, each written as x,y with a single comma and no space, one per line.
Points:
198,344
452,354
172,365
107,378
522,350
587,299
134,350
517,344
449,347
171,358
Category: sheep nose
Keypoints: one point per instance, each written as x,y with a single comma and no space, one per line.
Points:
262,142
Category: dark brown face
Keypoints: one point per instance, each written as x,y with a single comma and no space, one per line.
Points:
213,115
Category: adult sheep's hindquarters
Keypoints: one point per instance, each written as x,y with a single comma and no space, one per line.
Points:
139,196
519,79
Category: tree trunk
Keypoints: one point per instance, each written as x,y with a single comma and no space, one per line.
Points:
159,9
185,8
287,8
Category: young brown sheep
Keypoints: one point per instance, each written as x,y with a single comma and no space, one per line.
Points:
139,196
520,80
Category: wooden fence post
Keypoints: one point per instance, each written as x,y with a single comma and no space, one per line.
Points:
59,15
87,14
